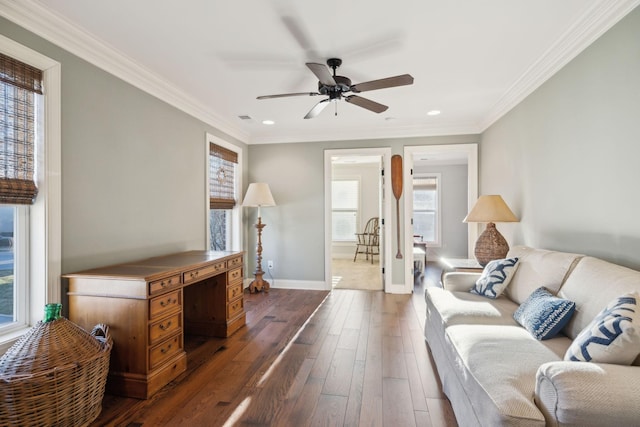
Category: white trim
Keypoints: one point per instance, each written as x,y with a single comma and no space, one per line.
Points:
397,288
471,150
385,153
53,27
310,285
596,21
236,213
364,132
46,213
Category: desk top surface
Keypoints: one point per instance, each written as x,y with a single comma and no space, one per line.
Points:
160,266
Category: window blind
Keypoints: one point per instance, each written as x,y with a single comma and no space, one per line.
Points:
222,161
19,85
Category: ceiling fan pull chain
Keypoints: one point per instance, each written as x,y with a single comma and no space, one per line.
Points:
336,104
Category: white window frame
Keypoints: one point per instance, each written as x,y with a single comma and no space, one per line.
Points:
45,215
438,176
354,239
236,212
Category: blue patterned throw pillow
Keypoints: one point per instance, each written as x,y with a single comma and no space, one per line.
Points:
543,314
613,336
495,277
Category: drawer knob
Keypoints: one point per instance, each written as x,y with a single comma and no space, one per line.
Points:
165,350
168,302
165,327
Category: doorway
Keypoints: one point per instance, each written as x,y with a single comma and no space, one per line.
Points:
355,189
448,174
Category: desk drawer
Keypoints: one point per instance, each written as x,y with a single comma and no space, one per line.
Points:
164,304
234,276
164,328
234,308
235,262
234,291
163,352
164,284
201,273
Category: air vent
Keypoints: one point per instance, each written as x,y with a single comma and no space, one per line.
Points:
244,117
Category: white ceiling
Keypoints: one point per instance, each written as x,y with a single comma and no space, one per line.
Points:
472,60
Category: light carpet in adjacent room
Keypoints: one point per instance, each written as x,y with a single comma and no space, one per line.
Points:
361,274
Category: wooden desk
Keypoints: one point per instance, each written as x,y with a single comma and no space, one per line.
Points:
149,305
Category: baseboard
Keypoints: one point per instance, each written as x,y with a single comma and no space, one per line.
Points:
309,285
396,289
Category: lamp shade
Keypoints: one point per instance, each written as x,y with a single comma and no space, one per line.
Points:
258,194
490,208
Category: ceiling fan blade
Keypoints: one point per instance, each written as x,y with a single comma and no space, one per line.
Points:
366,103
317,109
284,95
322,73
402,80
300,35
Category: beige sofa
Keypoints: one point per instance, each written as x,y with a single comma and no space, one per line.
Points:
495,373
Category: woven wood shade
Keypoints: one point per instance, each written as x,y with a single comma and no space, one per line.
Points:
19,84
222,161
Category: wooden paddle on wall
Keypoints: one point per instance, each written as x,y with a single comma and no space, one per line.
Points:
396,184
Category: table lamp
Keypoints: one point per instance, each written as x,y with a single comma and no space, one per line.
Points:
491,244
258,194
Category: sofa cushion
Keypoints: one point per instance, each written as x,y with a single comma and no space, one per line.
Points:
613,336
495,277
497,365
539,267
455,308
543,314
592,285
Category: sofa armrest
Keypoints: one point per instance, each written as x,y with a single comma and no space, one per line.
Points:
459,281
588,394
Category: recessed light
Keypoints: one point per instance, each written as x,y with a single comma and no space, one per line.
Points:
268,122
433,113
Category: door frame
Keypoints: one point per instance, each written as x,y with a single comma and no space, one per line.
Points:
385,209
471,150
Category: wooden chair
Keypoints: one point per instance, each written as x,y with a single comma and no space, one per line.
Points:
368,240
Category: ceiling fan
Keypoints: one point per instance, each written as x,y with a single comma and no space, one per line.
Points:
337,86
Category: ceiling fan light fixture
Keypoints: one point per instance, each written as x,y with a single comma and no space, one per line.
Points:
336,87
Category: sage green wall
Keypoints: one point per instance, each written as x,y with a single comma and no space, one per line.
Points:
294,236
133,167
566,158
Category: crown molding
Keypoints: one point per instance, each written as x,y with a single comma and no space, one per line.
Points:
361,133
59,31
593,23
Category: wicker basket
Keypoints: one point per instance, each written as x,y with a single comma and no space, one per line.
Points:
55,375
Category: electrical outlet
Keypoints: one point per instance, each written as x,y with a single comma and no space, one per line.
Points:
270,265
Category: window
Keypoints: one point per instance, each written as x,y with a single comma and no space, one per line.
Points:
20,103
426,208
345,201
30,234
223,183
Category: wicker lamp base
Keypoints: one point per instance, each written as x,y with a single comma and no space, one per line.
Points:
490,245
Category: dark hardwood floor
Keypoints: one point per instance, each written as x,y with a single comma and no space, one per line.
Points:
305,358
